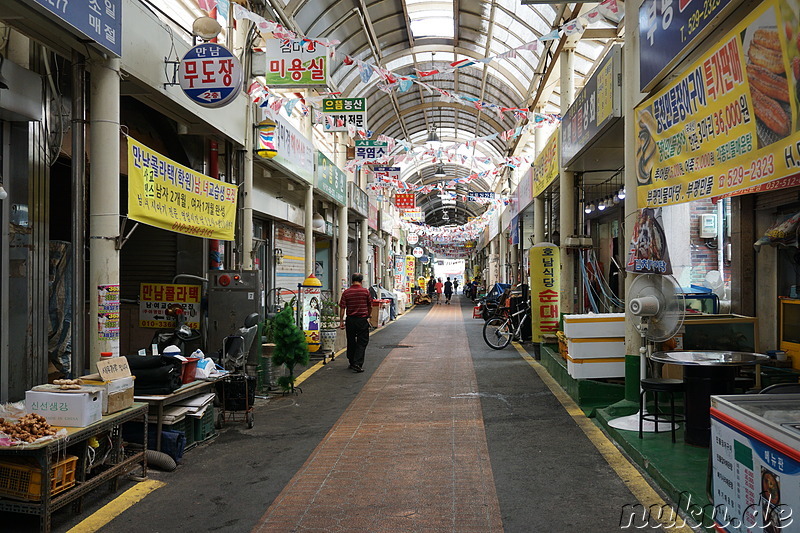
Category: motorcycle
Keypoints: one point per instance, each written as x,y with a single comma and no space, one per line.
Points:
488,304
182,336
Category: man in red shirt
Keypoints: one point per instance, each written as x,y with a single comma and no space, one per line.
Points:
358,302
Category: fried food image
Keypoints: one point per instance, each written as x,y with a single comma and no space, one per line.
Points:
645,146
768,83
769,86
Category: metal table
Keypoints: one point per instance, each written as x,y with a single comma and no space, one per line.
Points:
705,373
76,443
162,400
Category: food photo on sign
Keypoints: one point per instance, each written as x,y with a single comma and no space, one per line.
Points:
648,253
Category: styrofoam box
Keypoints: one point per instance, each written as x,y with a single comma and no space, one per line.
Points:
117,394
596,348
588,369
589,326
69,409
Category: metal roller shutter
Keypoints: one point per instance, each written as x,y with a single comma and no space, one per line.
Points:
150,256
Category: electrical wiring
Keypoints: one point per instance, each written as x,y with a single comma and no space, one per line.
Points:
605,288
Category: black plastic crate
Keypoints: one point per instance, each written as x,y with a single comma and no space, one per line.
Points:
232,389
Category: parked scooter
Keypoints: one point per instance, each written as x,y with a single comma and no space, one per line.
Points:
182,336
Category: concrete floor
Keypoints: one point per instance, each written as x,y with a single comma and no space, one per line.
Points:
440,433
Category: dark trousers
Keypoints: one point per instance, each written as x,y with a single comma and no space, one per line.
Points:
357,329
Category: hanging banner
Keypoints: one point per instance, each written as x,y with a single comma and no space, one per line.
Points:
728,125
545,265
295,63
407,200
173,197
344,112
156,298
399,272
545,167
409,276
366,149
648,253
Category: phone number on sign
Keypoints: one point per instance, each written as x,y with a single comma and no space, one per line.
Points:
761,168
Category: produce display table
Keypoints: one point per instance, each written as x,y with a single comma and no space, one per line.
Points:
76,443
162,400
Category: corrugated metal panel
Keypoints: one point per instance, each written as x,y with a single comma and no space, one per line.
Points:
782,197
150,256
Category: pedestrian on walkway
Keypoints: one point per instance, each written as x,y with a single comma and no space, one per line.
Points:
455,286
448,290
439,287
431,287
357,301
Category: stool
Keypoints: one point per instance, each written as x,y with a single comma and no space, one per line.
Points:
743,383
656,385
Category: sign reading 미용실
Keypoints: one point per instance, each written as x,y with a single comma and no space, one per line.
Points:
210,75
545,266
343,112
173,197
156,298
729,124
295,63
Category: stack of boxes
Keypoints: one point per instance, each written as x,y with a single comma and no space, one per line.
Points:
595,345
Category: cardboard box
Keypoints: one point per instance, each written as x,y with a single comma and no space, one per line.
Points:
117,394
611,367
596,347
69,409
589,326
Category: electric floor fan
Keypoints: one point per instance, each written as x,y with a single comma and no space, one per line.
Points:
658,302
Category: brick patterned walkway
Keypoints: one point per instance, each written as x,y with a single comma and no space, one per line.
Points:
410,452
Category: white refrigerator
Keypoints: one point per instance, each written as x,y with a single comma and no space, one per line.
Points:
755,458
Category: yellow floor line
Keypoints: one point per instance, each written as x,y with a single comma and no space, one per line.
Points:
117,506
628,473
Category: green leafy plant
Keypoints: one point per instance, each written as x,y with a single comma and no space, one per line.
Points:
290,347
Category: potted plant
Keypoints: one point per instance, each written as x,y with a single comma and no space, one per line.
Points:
290,347
330,323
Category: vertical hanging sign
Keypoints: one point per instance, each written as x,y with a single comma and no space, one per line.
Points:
399,272
409,277
545,266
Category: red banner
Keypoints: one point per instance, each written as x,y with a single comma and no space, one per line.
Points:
406,200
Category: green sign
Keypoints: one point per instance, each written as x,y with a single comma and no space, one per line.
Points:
330,180
366,149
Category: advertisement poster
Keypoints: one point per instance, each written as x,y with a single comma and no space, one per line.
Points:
545,166
311,298
156,298
344,112
756,487
295,63
648,252
729,124
545,270
170,196
108,313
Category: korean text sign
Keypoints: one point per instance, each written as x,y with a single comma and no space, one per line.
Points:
367,149
405,200
99,20
545,268
210,75
330,179
345,112
156,298
170,196
295,63
729,124
545,166
409,277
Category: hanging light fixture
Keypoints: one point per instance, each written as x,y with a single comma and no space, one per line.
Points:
439,172
432,136
622,193
587,209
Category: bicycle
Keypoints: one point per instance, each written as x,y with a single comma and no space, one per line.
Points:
499,330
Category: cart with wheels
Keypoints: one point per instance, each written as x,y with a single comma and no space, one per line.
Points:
236,391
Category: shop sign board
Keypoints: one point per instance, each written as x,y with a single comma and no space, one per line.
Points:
405,200
545,267
545,167
292,150
99,21
595,108
481,197
409,276
524,192
170,196
418,252
515,231
399,272
366,149
156,298
357,199
729,124
412,239
295,63
386,174
669,30
210,75
348,111
330,180
413,215
372,219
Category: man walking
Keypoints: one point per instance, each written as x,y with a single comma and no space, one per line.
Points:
358,302
448,290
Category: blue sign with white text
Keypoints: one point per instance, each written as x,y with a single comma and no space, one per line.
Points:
98,20
666,30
